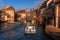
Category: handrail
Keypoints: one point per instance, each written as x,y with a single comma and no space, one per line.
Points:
55,35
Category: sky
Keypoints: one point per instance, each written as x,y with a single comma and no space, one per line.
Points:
21,4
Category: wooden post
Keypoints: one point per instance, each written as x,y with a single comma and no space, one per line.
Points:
56,15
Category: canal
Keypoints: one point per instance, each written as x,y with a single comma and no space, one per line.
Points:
15,31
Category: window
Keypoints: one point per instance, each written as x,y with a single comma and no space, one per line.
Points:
51,17
52,4
8,16
0,15
59,22
19,16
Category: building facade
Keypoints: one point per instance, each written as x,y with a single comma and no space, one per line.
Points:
8,12
21,15
50,10
53,7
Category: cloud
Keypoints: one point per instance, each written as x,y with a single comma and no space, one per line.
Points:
35,5
38,3
1,2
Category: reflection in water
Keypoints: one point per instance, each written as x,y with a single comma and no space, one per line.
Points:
7,25
17,33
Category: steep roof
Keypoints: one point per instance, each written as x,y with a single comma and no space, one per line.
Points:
21,11
8,8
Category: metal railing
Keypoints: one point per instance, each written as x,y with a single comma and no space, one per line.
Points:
54,35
